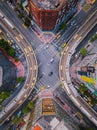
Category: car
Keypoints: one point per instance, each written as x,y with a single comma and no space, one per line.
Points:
75,36
9,42
16,54
48,86
17,46
73,23
64,45
85,98
47,47
52,60
51,73
24,26
57,48
13,46
43,87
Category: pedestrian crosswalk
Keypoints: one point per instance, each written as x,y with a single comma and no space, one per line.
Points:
39,48
50,52
47,52
53,52
48,81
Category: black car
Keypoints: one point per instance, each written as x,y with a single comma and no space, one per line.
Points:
51,73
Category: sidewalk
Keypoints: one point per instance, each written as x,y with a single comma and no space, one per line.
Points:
26,119
45,37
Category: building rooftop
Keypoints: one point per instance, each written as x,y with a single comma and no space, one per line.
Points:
37,127
54,122
48,4
62,126
48,106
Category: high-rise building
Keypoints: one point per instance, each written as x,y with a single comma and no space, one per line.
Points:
49,14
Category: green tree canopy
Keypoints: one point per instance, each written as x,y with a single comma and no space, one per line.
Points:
20,5
4,44
83,51
93,38
27,22
82,89
16,119
25,110
63,26
30,105
3,96
11,52
20,79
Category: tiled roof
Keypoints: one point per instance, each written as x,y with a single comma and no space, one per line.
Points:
37,127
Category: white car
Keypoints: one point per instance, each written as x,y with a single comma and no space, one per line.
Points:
48,86
52,60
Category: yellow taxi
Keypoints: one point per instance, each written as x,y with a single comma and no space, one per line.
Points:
64,45
9,42
43,87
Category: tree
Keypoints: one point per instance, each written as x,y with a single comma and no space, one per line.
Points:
82,89
11,52
4,44
30,105
25,110
93,38
20,79
63,26
61,85
20,6
27,22
3,96
94,101
16,59
16,119
83,51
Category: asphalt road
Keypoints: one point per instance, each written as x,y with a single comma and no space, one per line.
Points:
73,26
62,95
31,76
64,71
31,37
86,39
44,57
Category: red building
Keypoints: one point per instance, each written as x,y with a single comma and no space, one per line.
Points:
48,13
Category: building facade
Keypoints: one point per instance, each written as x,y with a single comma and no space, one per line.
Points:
49,14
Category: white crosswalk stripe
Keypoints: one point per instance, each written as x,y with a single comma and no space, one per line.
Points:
52,82
39,48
